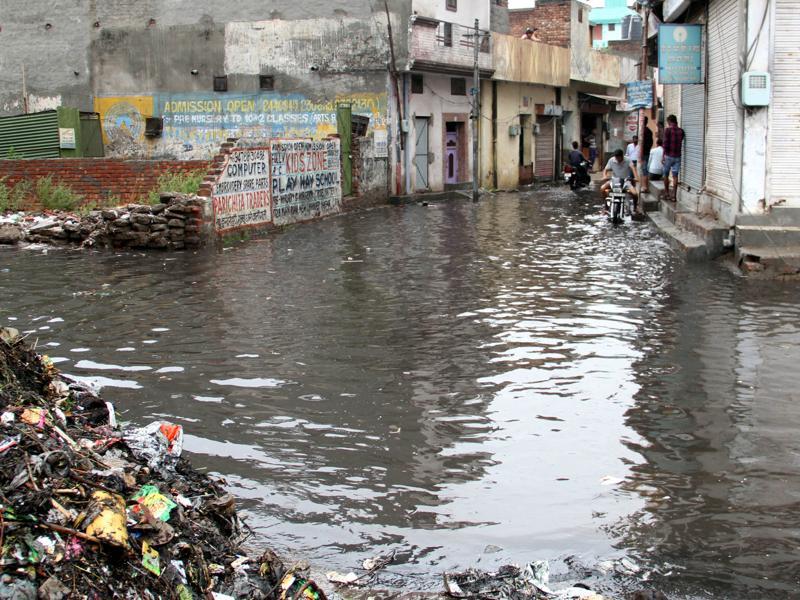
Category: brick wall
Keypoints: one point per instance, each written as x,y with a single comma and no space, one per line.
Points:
550,18
630,48
97,179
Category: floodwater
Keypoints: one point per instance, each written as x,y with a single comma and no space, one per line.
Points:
470,385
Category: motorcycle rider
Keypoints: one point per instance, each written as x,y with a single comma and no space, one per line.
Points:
620,167
575,156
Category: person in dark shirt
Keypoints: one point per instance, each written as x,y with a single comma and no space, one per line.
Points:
673,143
647,146
575,156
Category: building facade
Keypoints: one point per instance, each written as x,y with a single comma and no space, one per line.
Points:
738,163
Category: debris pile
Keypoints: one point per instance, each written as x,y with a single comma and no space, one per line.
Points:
175,223
93,509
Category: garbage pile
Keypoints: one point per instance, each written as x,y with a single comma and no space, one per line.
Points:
93,509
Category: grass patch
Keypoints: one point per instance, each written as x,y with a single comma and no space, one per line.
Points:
182,182
12,198
56,196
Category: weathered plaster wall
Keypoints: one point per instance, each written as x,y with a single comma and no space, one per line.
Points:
513,100
81,52
433,103
466,13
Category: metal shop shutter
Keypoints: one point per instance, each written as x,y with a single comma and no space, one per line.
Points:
693,105
545,149
783,183
723,74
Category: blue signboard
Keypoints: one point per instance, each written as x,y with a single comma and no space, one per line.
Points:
640,94
680,53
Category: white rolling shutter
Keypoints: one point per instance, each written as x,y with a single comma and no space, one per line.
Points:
693,105
723,33
784,130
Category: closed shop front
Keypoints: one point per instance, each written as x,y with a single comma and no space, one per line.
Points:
693,104
545,148
782,181
723,34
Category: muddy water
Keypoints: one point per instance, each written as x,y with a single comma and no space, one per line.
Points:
468,384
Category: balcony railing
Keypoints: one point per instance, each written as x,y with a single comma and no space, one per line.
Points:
448,47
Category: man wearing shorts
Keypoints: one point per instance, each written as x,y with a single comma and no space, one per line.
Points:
673,143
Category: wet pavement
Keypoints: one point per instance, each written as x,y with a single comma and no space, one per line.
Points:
469,384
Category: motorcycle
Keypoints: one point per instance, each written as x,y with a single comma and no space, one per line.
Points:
577,177
619,203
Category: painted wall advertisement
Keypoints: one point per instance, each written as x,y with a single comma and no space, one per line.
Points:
241,197
680,53
285,182
195,124
305,179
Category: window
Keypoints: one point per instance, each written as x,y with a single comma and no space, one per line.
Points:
447,34
220,83
451,5
580,15
417,84
458,86
611,26
266,82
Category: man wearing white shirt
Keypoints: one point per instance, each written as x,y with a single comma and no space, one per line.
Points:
632,152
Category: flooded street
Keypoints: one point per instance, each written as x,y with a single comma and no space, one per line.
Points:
514,376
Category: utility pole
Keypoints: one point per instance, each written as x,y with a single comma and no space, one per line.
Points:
476,110
643,77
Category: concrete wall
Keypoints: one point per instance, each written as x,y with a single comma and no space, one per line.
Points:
132,59
466,13
513,100
440,106
532,62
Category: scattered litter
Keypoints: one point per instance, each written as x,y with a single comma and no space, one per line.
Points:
150,559
92,511
336,577
150,499
610,480
509,581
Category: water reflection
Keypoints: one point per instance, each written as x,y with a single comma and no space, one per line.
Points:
515,373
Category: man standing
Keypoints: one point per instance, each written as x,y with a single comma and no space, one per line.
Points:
673,143
647,146
591,141
632,151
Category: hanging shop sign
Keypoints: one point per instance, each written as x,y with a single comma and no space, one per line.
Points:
640,94
680,53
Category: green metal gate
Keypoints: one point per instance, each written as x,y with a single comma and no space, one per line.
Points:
344,126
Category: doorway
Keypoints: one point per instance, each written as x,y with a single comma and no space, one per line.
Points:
421,153
454,152
592,125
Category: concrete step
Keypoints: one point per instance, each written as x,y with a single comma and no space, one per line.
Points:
688,244
778,216
768,236
784,260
